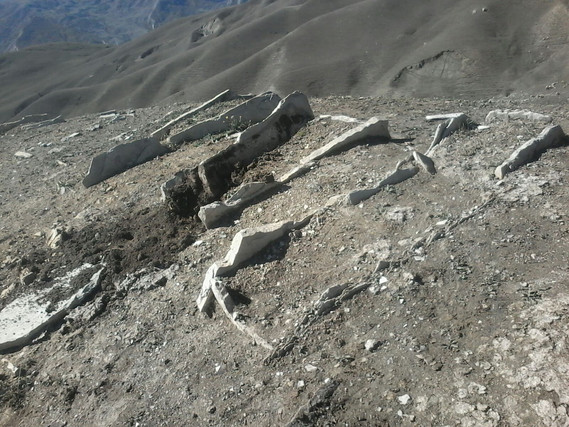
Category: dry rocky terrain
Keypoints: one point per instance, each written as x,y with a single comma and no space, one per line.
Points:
455,302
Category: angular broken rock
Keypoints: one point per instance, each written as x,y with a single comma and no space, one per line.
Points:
56,237
456,121
213,213
244,245
123,157
251,111
552,136
425,162
208,181
373,128
27,317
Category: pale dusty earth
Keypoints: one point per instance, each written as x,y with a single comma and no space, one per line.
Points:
466,326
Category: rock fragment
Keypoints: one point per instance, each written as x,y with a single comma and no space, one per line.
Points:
371,345
22,154
550,137
425,162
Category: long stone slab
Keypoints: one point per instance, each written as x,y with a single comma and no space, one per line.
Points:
123,157
550,137
213,213
245,244
373,128
249,112
207,182
226,95
505,115
29,316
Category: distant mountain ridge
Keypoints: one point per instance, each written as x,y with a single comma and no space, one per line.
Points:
442,48
25,23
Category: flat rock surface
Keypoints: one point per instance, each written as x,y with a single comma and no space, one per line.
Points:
468,314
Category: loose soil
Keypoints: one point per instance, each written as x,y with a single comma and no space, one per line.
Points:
466,324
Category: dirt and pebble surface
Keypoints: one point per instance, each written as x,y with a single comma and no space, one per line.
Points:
462,317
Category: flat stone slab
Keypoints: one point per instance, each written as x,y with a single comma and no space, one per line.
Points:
373,128
249,112
29,316
449,116
122,158
505,115
226,95
551,136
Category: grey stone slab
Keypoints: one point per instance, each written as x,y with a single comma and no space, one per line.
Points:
123,157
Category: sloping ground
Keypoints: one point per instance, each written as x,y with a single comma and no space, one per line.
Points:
461,318
365,48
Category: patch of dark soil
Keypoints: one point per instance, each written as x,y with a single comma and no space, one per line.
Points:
260,170
149,237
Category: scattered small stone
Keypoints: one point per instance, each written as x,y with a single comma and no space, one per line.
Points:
404,399
22,155
27,277
371,344
14,370
310,368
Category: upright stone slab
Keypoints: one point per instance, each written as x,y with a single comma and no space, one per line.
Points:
250,112
207,182
291,114
121,158
226,95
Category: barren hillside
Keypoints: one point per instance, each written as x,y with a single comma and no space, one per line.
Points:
448,48
437,300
